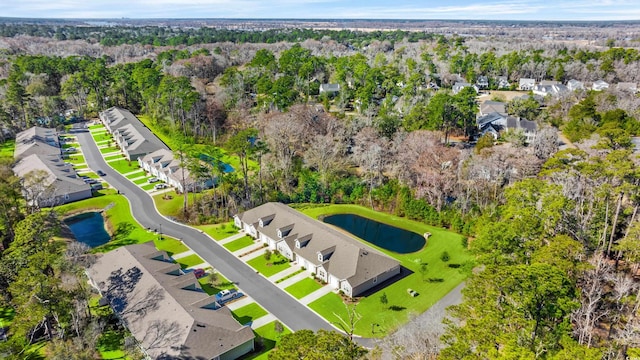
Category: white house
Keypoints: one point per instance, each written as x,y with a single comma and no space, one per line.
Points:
526,84
600,85
343,262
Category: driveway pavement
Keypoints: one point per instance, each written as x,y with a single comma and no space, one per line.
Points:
291,312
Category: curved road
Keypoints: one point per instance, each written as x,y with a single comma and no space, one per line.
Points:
288,310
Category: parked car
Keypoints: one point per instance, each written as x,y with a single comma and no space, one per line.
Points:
101,173
153,179
70,150
90,181
160,186
199,273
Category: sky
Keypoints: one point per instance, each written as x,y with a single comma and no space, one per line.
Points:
328,9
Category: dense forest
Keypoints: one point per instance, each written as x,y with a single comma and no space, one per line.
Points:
555,232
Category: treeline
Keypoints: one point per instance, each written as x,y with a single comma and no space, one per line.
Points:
174,36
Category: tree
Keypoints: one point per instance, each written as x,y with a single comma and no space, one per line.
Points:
324,345
383,299
240,144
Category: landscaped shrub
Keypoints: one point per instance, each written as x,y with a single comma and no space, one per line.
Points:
445,256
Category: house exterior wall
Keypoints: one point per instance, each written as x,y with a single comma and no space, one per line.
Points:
283,248
238,351
375,281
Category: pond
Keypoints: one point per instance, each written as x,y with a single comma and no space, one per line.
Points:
385,236
89,228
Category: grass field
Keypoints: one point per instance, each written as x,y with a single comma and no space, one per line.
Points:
276,264
166,136
438,279
171,246
249,313
113,157
96,126
6,149
147,186
217,231
110,149
136,174
141,181
122,226
101,136
303,288
124,166
243,242
268,337
223,284
189,261
75,159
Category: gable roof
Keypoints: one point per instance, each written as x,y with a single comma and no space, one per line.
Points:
148,292
349,258
62,177
36,140
490,106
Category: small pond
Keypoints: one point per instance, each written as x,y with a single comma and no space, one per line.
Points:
382,235
88,228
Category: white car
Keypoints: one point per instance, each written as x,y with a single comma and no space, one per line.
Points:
160,186
153,179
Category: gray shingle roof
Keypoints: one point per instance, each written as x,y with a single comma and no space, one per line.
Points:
349,259
142,288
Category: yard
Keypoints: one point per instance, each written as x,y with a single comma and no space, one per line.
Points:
248,313
303,288
135,175
189,261
113,157
124,166
428,275
269,267
222,284
101,136
75,159
241,243
109,149
96,126
217,231
268,338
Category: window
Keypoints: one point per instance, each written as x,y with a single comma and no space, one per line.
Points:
297,244
320,257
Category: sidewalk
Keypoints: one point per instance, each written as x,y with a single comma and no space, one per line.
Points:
285,273
182,254
262,321
316,295
231,238
245,300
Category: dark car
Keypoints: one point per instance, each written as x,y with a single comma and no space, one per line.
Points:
101,173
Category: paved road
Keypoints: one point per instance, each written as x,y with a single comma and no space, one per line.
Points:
288,310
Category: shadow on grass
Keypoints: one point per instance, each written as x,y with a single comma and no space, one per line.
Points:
114,245
397,308
212,290
404,272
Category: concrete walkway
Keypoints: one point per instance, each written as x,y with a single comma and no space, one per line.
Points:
243,301
292,280
259,322
254,252
182,254
316,295
284,273
231,238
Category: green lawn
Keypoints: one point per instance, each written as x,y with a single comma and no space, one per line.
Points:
96,126
249,313
268,338
135,175
113,157
101,136
141,181
303,288
124,166
243,242
75,159
438,280
6,148
81,167
169,203
171,246
165,135
111,345
276,264
223,284
189,261
110,149
148,186
217,231
124,228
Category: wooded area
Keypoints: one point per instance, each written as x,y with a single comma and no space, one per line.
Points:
555,231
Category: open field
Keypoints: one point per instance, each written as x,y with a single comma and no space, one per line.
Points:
432,281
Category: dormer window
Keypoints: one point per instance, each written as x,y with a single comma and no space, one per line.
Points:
320,257
284,231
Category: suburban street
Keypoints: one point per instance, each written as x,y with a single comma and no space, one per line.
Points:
288,310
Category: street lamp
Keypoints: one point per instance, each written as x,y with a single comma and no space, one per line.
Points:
160,233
